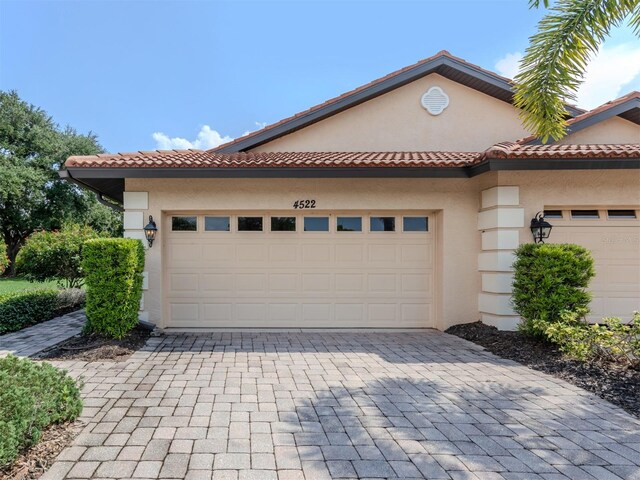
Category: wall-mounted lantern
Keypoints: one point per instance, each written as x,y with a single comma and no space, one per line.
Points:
150,231
540,228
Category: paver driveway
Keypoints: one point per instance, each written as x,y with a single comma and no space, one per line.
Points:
339,405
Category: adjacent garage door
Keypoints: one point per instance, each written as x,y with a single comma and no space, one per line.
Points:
613,236
270,269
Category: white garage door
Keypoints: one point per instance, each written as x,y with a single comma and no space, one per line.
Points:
613,236
351,269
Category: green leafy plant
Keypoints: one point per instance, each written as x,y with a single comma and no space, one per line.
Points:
55,256
612,340
22,309
4,260
32,397
113,275
550,279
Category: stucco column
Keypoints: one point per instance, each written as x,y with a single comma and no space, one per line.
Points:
135,206
499,220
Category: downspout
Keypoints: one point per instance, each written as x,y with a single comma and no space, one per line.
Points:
66,174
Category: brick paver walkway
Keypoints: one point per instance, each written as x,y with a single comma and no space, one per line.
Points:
32,340
339,405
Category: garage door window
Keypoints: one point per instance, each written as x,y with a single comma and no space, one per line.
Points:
585,214
383,224
249,224
621,214
184,224
415,224
316,224
349,224
217,224
283,224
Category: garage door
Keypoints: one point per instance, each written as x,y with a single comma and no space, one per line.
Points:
271,269
613,236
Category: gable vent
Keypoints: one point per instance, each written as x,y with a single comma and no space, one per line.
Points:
435,101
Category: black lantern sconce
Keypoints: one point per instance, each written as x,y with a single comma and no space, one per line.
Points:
150,231
540,228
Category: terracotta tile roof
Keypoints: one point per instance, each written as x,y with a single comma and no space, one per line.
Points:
590,113
208,159
519,151
442,53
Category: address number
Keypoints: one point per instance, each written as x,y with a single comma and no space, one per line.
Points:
300,204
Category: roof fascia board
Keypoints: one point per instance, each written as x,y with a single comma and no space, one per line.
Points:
597,118
564,164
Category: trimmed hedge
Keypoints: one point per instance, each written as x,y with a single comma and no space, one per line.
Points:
549,281
22,309
32,396
113,277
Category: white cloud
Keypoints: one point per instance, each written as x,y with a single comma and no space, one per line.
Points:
207,138
508,65
606,76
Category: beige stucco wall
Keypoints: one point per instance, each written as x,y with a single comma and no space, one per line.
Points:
612,130
397,121
454,200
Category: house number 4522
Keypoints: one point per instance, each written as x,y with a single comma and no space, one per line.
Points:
300,204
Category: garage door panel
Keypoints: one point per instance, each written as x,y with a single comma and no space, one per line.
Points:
616,252
299,279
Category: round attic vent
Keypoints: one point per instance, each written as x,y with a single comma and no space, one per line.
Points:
435,101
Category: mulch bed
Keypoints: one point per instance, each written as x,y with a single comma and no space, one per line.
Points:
34,461
615,383
95,348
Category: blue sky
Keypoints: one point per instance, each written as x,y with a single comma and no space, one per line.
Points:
208,70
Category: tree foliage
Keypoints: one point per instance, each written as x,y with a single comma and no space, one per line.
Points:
55,255
32,196
553,66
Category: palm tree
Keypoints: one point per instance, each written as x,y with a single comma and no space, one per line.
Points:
556,59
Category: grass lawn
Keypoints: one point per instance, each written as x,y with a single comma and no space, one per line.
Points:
14,284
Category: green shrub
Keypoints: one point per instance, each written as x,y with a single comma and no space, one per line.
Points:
32,396
113,274
22,309
550,279
612,341
4,260
55,256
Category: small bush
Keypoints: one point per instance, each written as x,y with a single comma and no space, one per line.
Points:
32,396
612,341
550,279
19,310
55,256
4,260
113,274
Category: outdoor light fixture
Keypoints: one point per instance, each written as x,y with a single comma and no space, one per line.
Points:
540,228
150,231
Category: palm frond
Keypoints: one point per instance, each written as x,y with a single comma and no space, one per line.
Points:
555,61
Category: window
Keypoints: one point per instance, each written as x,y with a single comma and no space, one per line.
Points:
217,224
588,214
249,224
383,224
621,214
415,224
316,224
283,224
184,224
349,224
553,214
